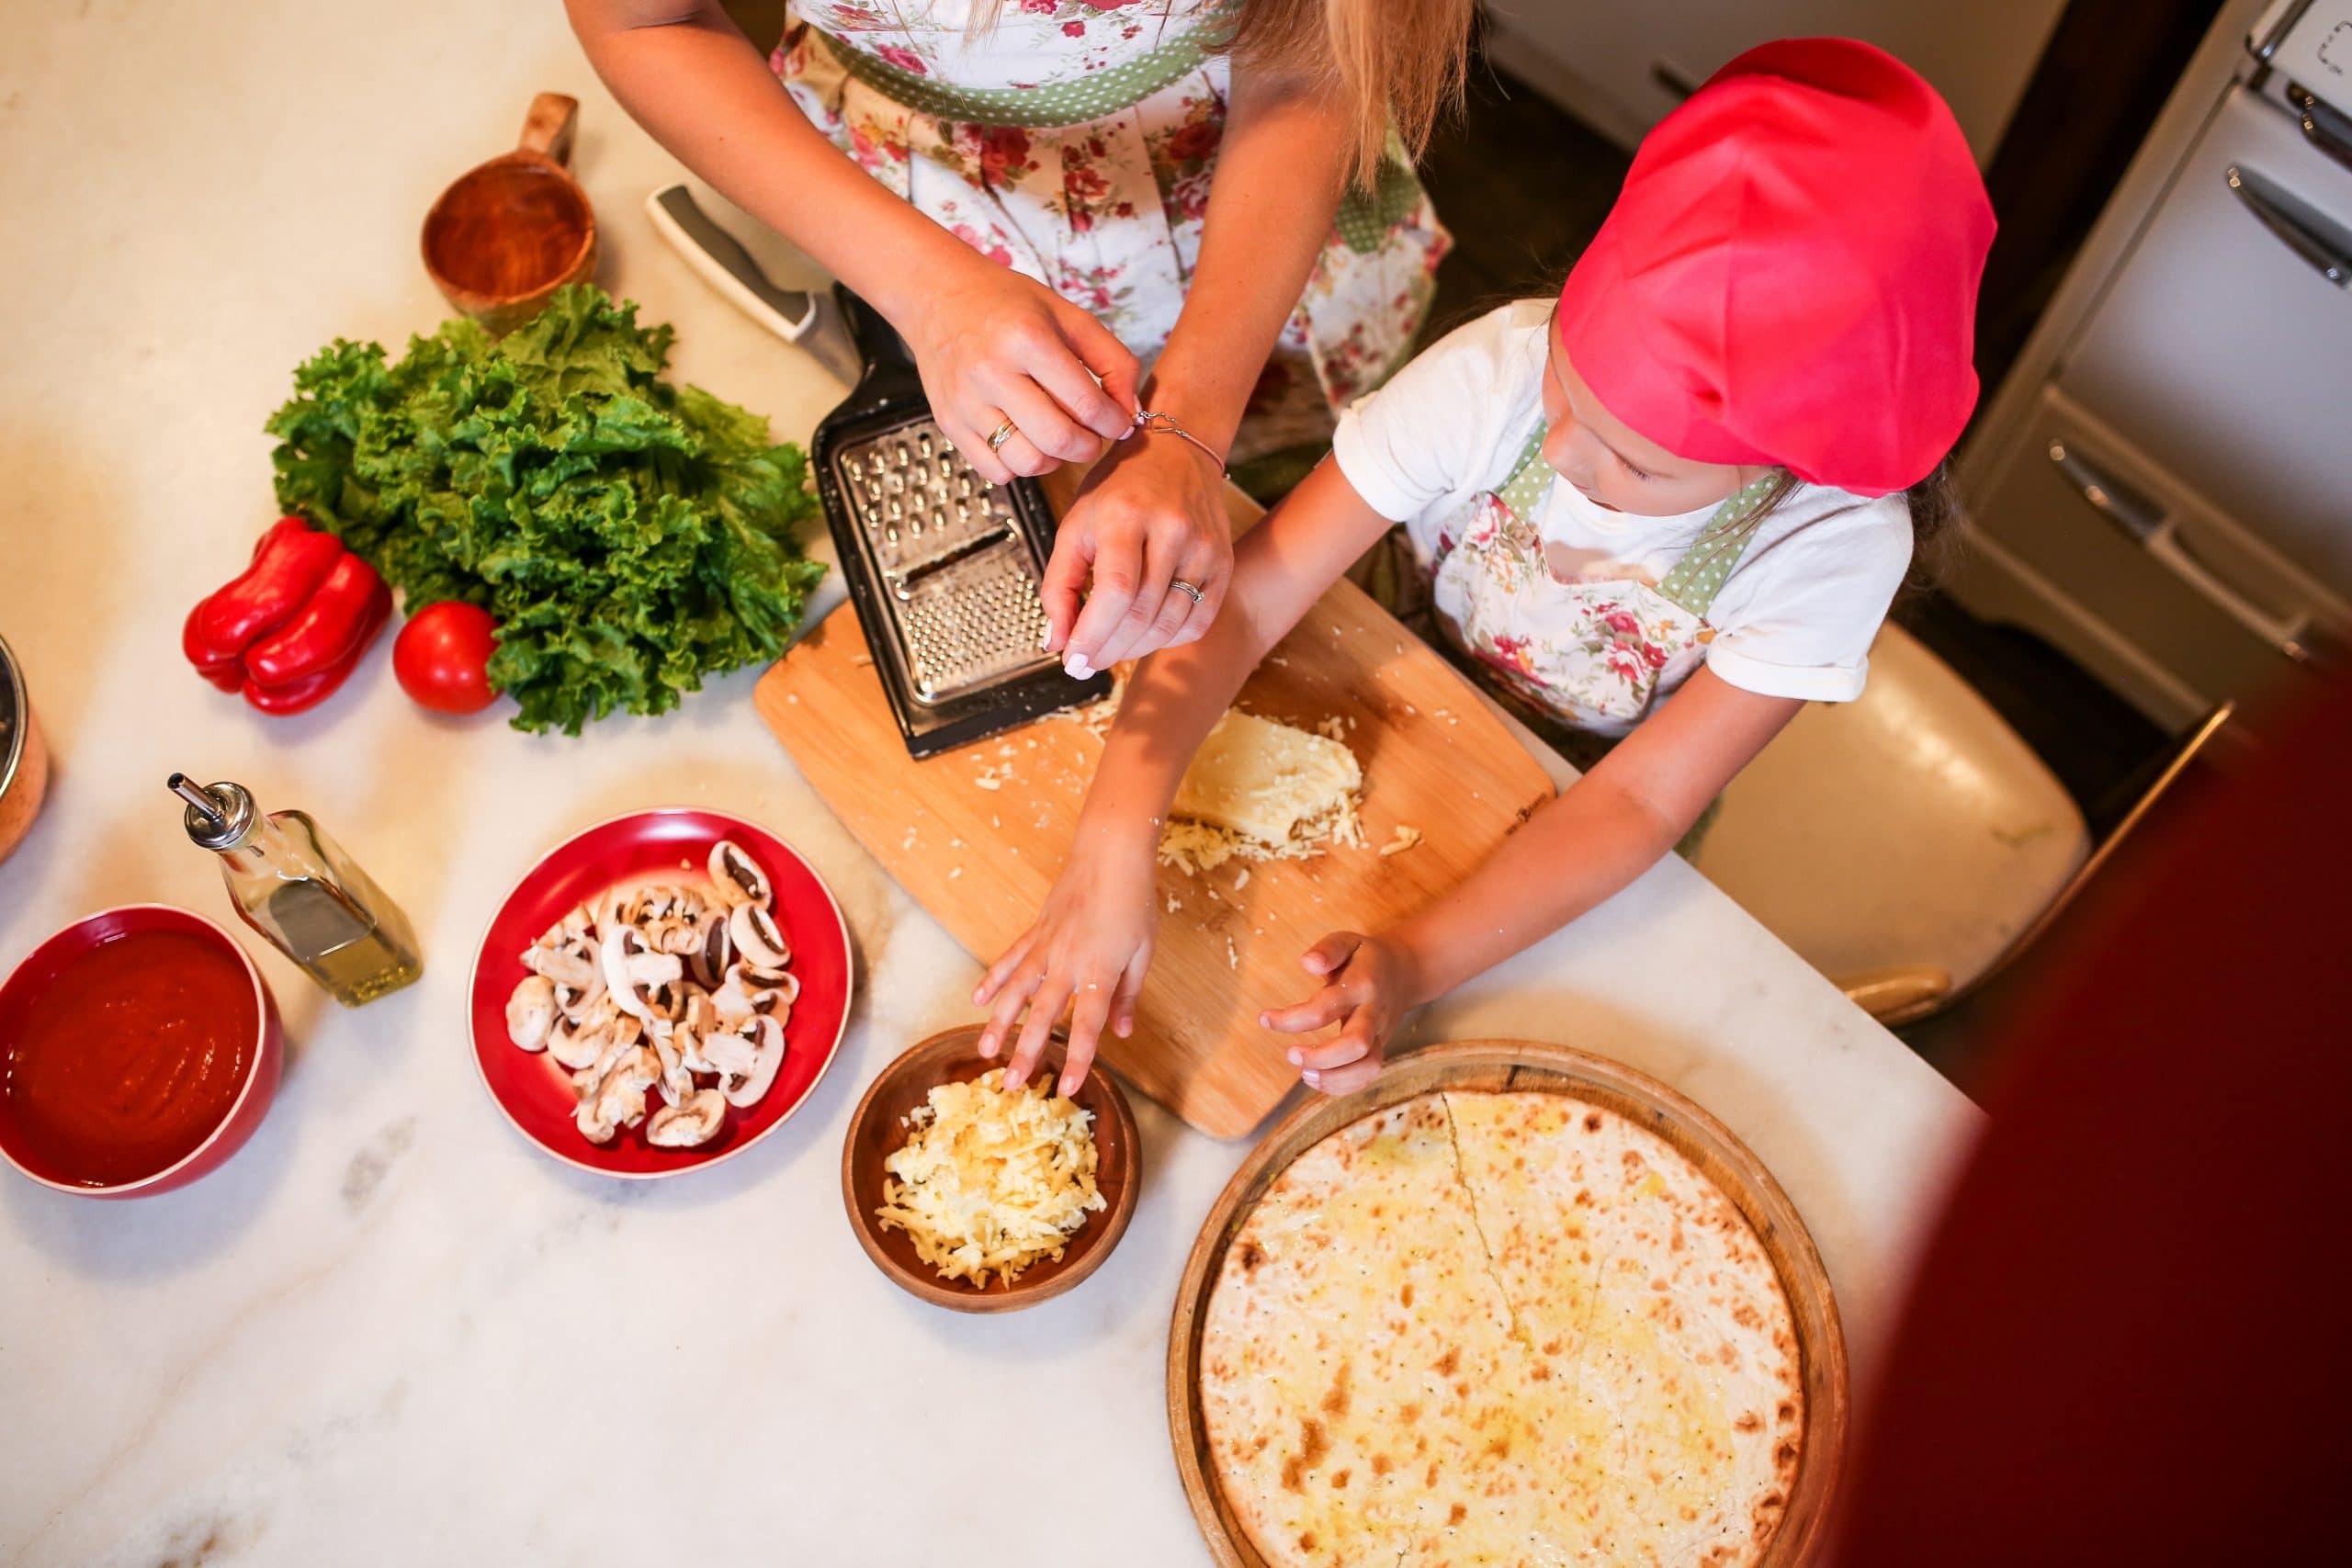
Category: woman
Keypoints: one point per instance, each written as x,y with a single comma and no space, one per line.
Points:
1046,195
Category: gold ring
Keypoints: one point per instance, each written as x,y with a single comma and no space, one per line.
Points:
1002,433
1188,587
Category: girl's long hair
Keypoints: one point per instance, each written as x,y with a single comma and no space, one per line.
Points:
1387,63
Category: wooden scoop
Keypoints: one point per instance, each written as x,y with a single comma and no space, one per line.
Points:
512,231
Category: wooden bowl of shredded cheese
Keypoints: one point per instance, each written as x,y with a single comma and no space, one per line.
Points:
979,1201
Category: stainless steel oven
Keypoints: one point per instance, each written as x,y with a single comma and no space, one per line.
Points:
2169,471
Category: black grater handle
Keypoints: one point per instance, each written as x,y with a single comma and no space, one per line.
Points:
890,375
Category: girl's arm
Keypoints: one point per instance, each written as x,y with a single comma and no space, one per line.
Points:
991,343
1153,510
1092,942
1608,827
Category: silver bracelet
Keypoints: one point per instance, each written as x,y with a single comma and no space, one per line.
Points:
1165,424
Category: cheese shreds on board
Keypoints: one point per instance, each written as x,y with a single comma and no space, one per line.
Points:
990,1182
1261,790
1407,837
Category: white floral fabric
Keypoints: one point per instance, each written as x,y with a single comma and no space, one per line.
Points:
1597,654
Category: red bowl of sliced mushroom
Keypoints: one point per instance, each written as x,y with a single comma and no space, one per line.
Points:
660,993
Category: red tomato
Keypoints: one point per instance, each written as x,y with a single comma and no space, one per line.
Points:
441,657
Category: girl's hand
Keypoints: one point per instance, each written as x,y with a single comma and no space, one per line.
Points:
993,344
1088,951
1371,982
1151,514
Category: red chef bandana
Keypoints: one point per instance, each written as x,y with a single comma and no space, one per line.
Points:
1790,274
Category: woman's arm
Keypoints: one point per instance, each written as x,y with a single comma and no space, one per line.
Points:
1152,511
1605,831
990,344
1092,942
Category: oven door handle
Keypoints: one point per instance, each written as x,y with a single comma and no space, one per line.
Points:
2323,126
2325,245
2151,528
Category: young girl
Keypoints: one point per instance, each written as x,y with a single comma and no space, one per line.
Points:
1685,478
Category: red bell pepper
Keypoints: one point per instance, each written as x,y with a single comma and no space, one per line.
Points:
288,564
290,628
225,673
305,691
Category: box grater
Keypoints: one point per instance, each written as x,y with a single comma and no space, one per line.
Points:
942,566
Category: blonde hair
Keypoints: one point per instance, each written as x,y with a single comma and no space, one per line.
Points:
1387,62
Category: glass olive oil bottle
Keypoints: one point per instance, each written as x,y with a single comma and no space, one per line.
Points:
296,886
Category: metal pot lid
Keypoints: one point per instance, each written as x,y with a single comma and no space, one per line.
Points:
15,714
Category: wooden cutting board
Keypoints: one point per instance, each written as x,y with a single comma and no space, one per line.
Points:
982,859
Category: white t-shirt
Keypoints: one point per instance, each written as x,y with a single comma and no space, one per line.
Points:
1796,618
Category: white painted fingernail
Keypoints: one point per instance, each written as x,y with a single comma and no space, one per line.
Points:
1077,667
1046,636
1313,1080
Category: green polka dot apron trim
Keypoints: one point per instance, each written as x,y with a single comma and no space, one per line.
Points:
1056,107
1365,215
1695,580
1595,653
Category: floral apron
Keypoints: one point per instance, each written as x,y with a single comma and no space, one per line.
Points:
1074,141
1594,656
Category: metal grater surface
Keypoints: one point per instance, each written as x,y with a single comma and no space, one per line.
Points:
958,571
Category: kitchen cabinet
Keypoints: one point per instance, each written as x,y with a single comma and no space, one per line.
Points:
1620,68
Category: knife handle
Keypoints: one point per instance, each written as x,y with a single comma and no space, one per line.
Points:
723,262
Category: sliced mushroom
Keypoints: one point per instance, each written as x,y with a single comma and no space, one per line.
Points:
530,1014
691,1120
669,1041
573,965
620,906
578,1046
618,1099
577,1004
737,876
634,972
693,1052
709,964
578,923
747,1064
685,929
737,1001
759,941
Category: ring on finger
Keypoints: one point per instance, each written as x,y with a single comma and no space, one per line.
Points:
1189,587
1002,433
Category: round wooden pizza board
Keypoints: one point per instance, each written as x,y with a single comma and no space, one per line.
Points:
1522,1067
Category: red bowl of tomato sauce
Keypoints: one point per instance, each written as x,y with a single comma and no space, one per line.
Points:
139,1049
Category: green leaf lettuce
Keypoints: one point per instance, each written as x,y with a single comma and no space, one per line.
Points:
629,535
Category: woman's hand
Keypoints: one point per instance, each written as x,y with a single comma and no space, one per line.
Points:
994,345
1088,951
1370,983
1152,514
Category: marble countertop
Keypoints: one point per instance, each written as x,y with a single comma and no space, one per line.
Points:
390,1330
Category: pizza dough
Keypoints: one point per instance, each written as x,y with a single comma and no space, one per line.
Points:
1500,1329
1262,790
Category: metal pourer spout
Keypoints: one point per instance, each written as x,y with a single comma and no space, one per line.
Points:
220,816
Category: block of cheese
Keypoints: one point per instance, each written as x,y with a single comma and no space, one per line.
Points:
1268,783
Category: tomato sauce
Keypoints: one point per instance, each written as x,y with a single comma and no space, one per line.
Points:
130,1056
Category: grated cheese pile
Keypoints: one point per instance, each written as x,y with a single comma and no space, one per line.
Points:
1260,790
989,1181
